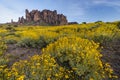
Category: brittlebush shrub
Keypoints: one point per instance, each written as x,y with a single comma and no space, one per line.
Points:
39,67
80,56
3,47
66,59
3,60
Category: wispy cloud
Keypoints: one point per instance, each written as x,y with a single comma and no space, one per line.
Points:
75,11
112,3
7,14
78,10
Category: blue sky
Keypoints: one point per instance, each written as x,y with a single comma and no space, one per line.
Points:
75,10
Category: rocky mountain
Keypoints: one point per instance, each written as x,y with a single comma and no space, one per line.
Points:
45,17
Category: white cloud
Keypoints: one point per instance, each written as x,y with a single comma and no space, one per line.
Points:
112,3
7,14
8,11
74,11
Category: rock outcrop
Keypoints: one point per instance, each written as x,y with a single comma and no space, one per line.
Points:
45,17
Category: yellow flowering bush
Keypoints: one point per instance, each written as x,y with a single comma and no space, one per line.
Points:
68,58
3,60
80,56
69,52
39,67
2,47
3,32
38,36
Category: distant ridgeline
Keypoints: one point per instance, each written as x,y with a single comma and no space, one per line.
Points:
45,17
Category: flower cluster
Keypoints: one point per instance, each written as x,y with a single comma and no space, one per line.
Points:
66,59
80,56
68,52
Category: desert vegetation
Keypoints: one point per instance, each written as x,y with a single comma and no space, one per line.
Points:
69,52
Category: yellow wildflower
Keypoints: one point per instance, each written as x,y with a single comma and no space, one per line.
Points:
48,79
91,79
66,76
21,77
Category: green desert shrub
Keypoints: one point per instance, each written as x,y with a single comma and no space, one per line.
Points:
33,43
102,39
26,42
41,42
10,41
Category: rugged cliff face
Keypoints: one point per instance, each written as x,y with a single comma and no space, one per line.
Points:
45,17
